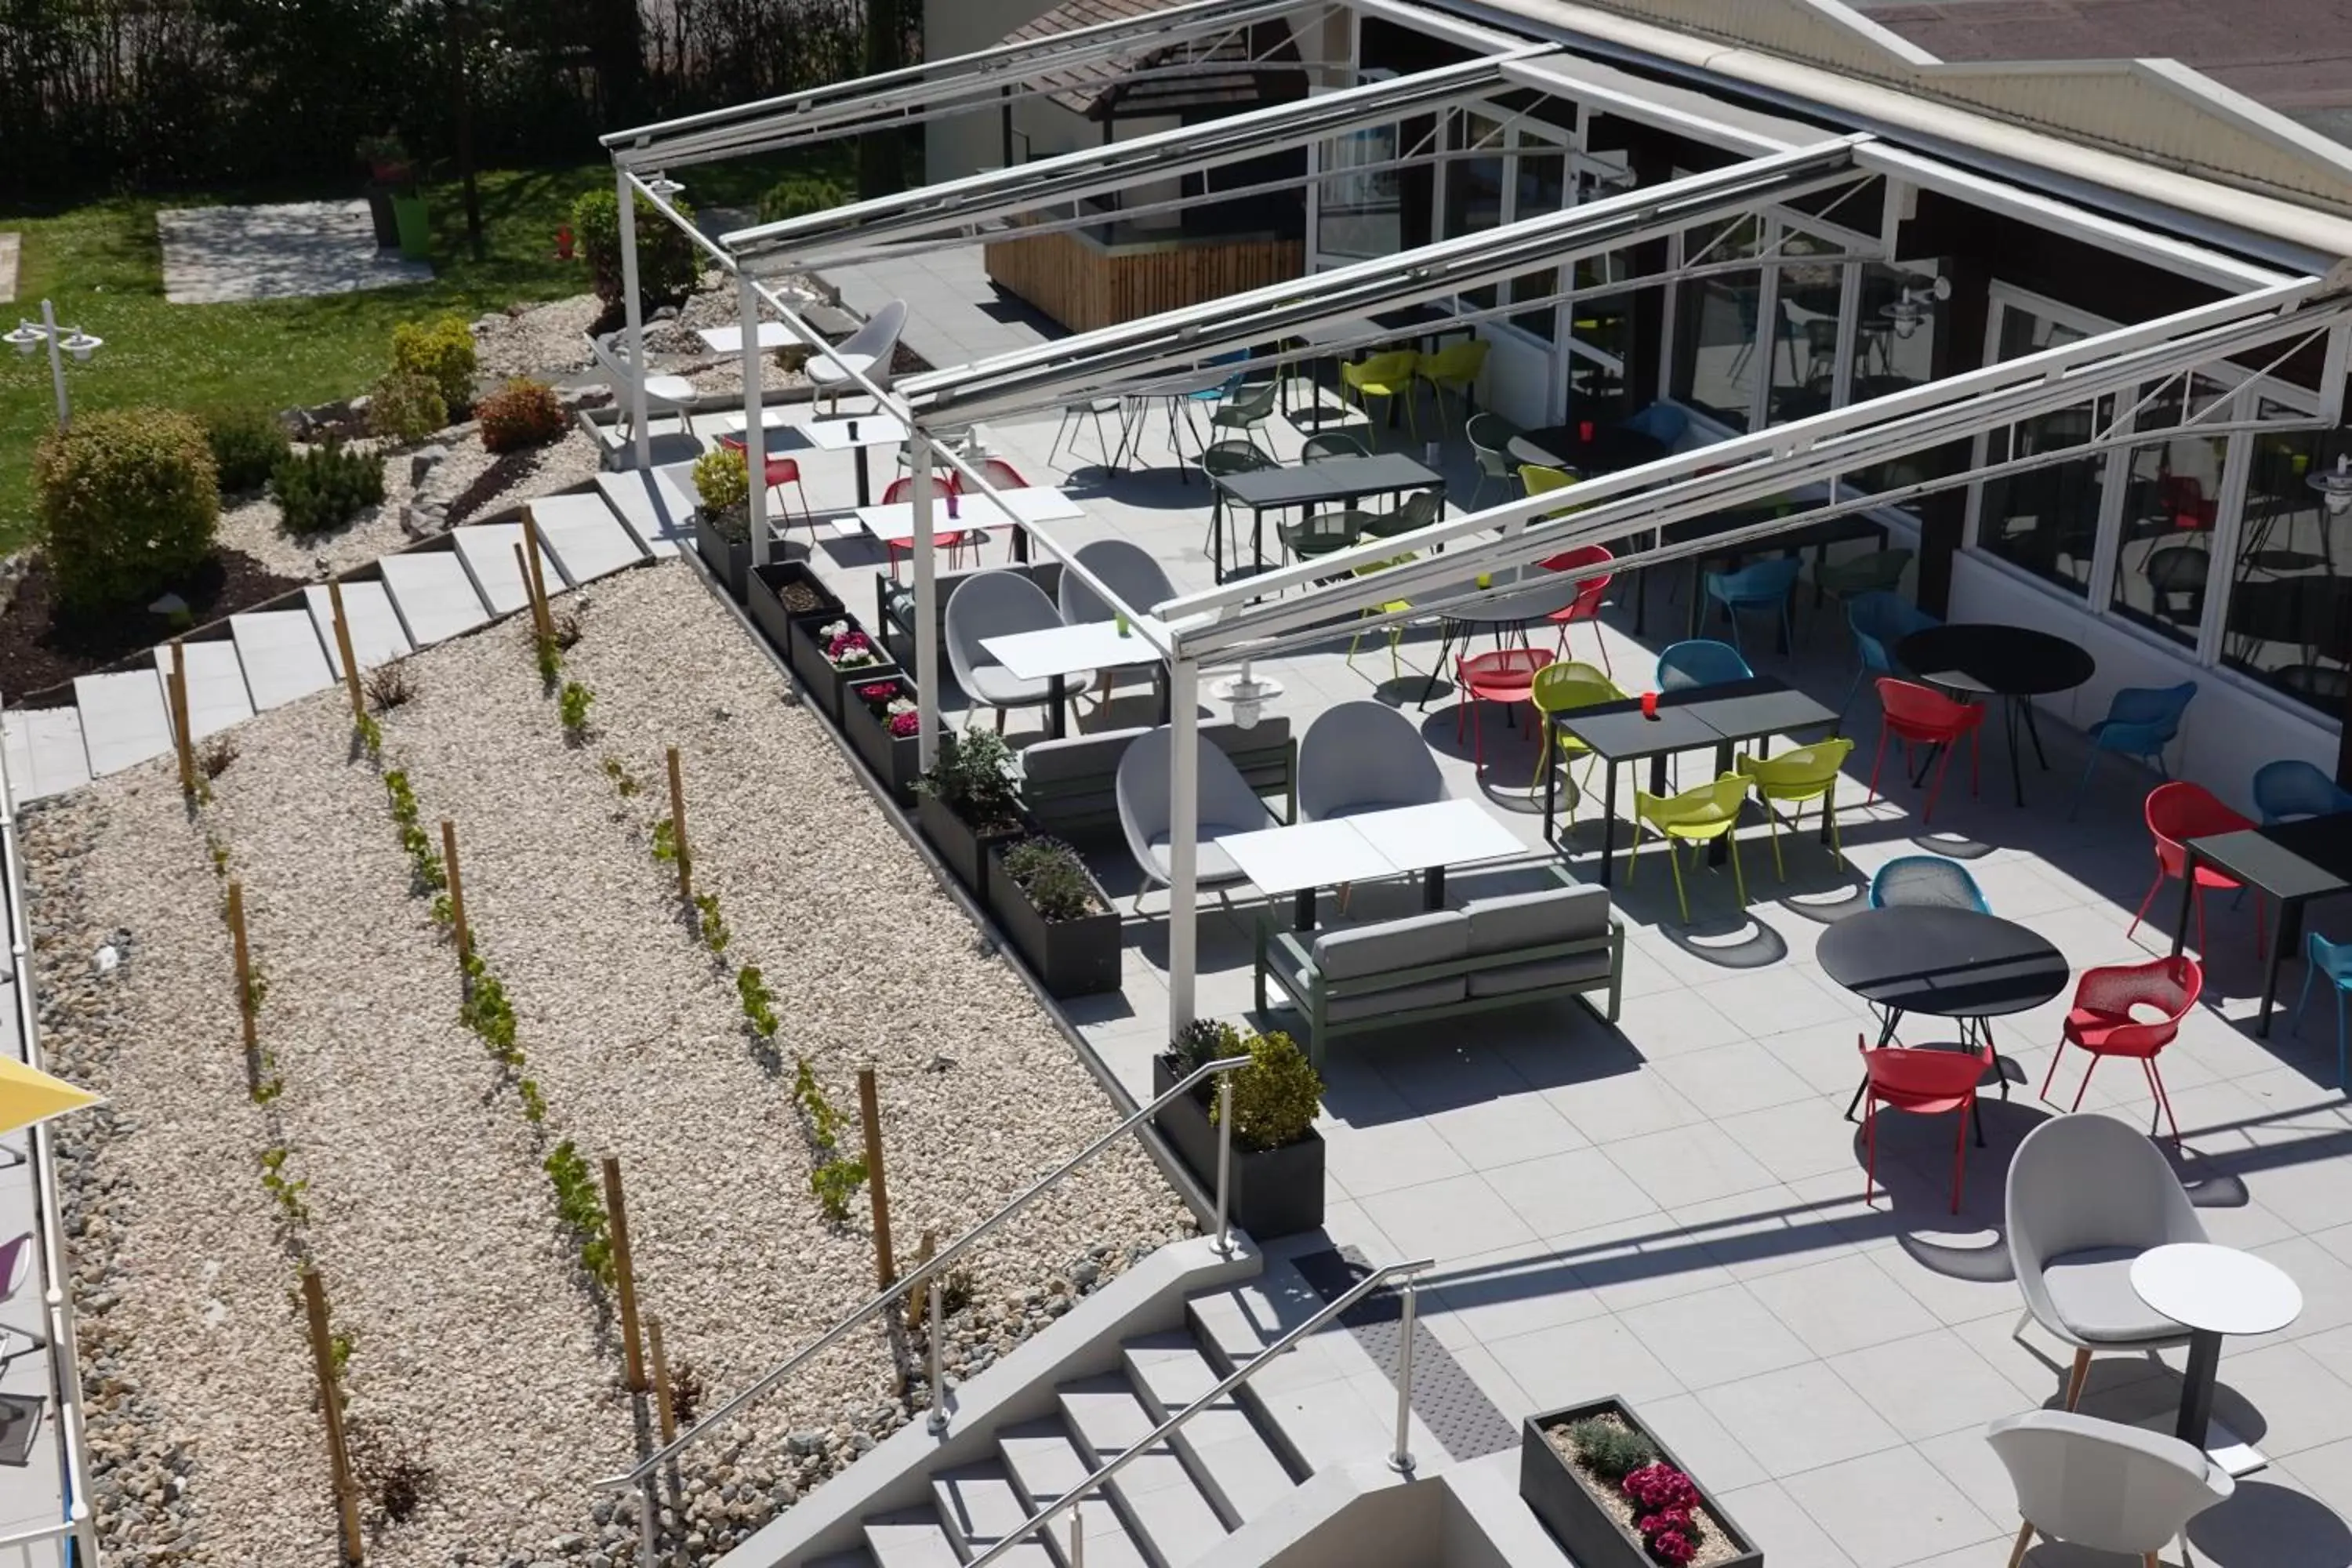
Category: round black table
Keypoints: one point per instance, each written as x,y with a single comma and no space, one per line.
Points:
1944,962
1547,595
1610,448
2016,664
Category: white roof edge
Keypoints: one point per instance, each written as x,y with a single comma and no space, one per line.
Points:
2255,119
1886,37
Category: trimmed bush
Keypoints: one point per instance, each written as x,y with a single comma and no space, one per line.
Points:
129,500
246,443
667,266
798,195
1277,1096
442,352
325,488
522,412
723,478
406,408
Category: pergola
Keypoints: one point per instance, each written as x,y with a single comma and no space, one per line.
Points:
2267,315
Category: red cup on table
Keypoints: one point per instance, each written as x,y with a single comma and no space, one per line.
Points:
1649,705
1584,431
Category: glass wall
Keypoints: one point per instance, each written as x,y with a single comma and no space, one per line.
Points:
2289,620
2171,503
1359,207
1715,365
2044,520
1899,329
1803,369
1539,186
1473,186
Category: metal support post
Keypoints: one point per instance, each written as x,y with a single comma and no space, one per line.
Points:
926,617
1225,1163
938,1419
755,432
1184,836
633,313
57,362
1401,1460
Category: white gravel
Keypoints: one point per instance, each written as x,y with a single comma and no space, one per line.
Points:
431,1217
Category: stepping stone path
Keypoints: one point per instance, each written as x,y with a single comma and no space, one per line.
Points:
464,580
288,252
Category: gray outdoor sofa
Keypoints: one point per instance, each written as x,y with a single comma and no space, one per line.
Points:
1070,787
1491,952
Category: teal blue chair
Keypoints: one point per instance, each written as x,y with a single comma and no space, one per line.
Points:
1880,621
2333,959
2140,722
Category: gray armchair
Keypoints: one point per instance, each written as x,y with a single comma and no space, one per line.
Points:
2087,1196
1133,575
877,340
994,605
2103,1485
1364,756
1226,805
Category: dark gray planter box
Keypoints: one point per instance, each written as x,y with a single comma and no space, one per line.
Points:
1276,1192
897,760
965,852
1075,958
1578,1520
823,682
729,561
768,613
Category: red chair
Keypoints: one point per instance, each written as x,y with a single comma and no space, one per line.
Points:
1927,1083
1506,675
782,471
2101,1020
1587,606
2177,812
2183,498
954,544
1915,712
1002,474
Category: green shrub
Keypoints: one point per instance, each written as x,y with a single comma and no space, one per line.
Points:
405,407
798,195
522,412
1202,1041
973,776
1609,1450
580,1204
667,266
1277,1096
574,702
325,488
248,445
1054,876
442,352
128,499
723,478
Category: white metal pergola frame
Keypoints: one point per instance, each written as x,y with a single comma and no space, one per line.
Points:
1237,621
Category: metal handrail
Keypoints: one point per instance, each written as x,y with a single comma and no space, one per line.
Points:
929,1271
1401,1460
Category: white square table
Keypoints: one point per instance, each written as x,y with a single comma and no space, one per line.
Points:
857,433
1041,503
1432,836
1303,856
1052,652
1385,844
729,340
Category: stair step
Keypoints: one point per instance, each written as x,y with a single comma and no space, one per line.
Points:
979,1507
1045,1463
855,1557
433,595
216,694
487,552
45,752
1303,1402
910,1538
1163,1505
1237,1467
282,659
377,636
656,507
122,719
584,536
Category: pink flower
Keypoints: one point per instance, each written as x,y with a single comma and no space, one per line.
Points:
1665,1519
880,691
1672,1546
1657,1487
905,723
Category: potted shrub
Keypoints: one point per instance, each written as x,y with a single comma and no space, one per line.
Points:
879,717
1616,1497
838,655
1278,1164
389,174
783,592
966,803
722,522
1058,916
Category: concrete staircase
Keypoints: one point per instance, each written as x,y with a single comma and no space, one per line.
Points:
269,657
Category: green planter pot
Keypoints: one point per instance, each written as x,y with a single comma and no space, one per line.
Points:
1276,1192
415,228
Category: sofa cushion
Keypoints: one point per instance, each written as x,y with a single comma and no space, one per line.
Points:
1212,867
1435,938
1400,999
2093,1292
1077,759
1543,919
1543,971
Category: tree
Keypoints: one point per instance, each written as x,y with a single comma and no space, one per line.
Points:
881,167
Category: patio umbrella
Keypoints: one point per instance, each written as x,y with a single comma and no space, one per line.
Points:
28,1095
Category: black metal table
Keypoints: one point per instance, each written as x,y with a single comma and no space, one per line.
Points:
1547,595
1588,446
1689,720
1815,536
2293,862
1986,658
1308,486
1944,962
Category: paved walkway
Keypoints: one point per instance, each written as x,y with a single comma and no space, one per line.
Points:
954,314
12,248
289,251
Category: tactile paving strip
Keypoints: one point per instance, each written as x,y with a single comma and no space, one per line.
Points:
1455,1411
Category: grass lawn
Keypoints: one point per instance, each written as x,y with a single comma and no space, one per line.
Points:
103,266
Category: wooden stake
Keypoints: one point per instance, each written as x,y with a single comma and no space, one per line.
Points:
661,1381
177,684
343,648
456,890
244,987
917,1304
536,576
677,829
330,1404
869,1111
538,621
619,1215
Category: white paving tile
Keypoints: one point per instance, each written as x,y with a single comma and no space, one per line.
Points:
433,595
377,636
585,536
123,719
217,691
46,753
657,507
282,659
487,550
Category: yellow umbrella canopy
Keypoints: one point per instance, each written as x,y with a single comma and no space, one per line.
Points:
28,1095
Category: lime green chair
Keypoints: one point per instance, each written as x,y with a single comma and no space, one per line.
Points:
1694,816
1536,479
1393,607
1809,773
1563,687
1454,368
1384,375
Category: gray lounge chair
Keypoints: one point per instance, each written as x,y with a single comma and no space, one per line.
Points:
1133,575
878,338
2087,1196
1364,756
995,604
1226,803
2103,1485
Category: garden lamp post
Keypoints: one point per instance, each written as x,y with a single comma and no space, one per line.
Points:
61,341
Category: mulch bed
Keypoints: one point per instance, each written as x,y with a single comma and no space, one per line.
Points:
43,645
